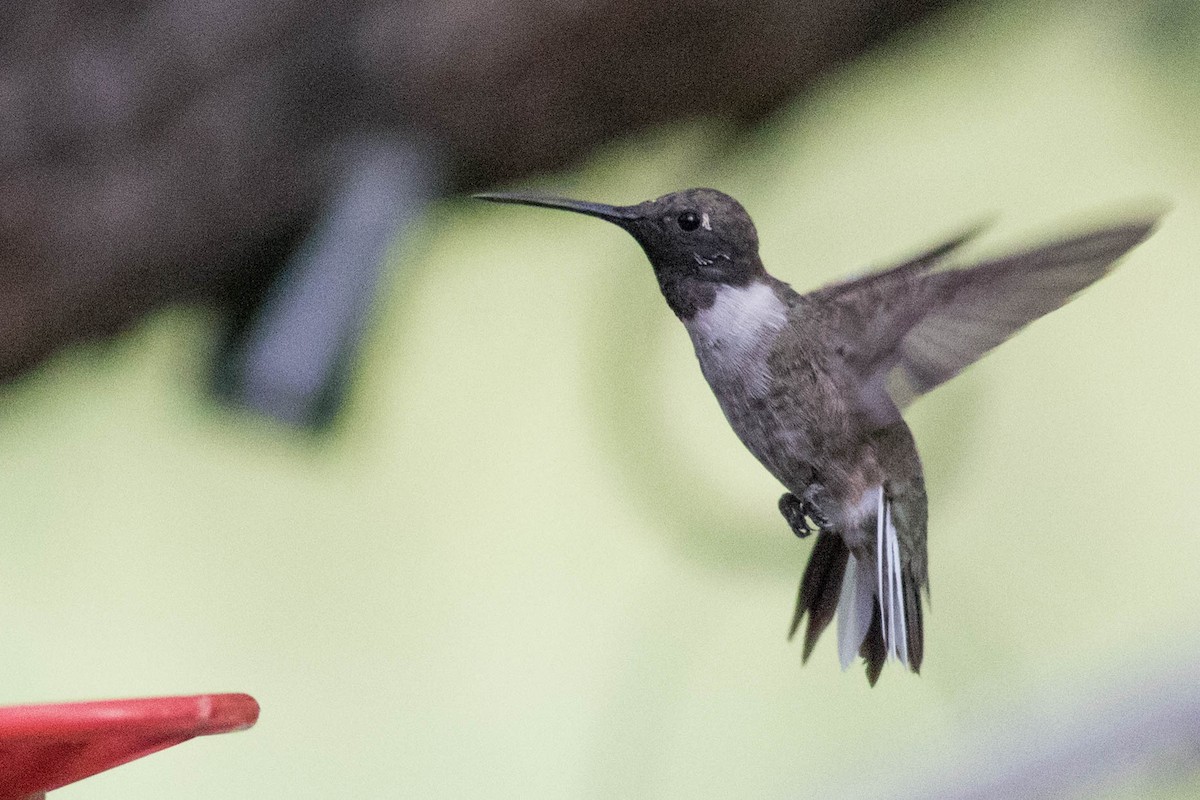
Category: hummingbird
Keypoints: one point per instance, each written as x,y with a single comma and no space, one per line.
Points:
814,385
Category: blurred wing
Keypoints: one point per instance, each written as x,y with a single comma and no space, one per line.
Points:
905,331
875,284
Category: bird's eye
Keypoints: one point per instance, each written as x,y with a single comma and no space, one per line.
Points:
689,220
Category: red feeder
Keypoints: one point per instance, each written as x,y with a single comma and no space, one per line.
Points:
48,746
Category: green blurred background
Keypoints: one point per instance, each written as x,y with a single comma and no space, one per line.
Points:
535,562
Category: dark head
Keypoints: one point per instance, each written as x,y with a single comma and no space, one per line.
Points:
696,240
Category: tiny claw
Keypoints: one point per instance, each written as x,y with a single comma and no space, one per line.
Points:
812,495
816,516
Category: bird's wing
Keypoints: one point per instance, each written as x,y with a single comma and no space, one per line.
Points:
900,273
906,330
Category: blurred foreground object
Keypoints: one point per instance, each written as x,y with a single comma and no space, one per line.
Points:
160,152
45,747
1131,732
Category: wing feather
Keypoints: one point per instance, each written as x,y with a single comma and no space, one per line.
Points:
909,329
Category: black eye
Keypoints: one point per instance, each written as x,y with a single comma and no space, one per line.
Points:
689,220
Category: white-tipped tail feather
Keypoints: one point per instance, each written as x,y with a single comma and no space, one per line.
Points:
890,583
855,606
860,596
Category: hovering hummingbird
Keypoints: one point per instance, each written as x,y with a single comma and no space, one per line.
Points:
813,384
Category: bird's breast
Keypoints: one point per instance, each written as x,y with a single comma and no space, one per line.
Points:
733,339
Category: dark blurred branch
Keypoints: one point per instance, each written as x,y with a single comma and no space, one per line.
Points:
157,151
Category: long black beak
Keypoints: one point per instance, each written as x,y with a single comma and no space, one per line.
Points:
619,215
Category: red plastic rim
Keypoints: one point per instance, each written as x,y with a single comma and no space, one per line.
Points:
44,747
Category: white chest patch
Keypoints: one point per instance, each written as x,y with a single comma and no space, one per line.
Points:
733,336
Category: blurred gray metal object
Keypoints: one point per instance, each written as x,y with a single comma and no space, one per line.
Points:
1079,746
289,361
163,151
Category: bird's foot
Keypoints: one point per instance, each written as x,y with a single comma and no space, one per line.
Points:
798,512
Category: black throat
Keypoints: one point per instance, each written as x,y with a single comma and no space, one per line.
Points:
691,288
686,294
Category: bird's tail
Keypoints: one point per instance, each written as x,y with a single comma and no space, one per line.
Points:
874,595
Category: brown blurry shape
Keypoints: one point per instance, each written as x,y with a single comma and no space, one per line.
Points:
157,152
